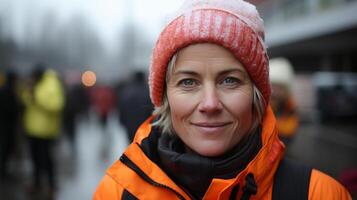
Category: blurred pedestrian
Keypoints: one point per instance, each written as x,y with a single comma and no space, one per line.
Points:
282,100
69,116
75,105
44,102
213,134
134,104
103,100
9,111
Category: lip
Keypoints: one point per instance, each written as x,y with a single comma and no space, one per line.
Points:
211,124
211,127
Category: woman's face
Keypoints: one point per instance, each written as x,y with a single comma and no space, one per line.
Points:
211,99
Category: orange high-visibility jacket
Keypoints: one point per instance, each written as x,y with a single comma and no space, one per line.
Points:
135,175
288,119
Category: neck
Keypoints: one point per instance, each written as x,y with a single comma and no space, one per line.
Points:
195,172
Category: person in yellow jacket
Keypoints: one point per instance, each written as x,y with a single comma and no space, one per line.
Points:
213,134
44,102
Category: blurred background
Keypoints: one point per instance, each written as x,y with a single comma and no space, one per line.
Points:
90,59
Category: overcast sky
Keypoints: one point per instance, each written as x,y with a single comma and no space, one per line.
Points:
106,15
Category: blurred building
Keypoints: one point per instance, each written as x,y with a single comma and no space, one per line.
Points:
313,34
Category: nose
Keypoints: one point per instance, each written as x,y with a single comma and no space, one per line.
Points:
210,102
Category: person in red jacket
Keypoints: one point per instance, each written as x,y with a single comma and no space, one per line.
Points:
103,100
213,133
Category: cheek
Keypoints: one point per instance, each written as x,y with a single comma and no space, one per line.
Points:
240,105
180,104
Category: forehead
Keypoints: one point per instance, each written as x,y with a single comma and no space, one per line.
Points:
206,56
205,51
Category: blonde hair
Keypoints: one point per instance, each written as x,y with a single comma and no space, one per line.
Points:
164,112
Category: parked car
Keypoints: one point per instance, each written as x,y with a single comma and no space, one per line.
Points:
336,95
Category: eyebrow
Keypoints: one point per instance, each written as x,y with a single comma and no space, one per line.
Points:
189,72
227,71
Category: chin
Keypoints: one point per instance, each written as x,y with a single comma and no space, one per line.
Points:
208,151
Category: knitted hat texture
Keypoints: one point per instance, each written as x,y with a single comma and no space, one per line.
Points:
233,24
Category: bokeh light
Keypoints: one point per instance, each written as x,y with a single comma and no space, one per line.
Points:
89,78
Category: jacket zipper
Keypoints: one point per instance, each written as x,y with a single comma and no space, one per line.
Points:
124,159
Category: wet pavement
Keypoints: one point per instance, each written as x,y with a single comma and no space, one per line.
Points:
79,168
330,148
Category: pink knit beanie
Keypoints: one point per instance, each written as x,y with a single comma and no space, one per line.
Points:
233,24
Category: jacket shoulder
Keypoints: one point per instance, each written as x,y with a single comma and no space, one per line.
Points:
323,186
108,188
116,183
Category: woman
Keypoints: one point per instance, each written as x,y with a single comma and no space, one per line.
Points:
213,133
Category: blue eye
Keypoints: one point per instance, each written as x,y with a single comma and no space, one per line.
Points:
187,82
230,81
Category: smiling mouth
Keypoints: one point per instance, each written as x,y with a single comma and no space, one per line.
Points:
210,128
211,125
